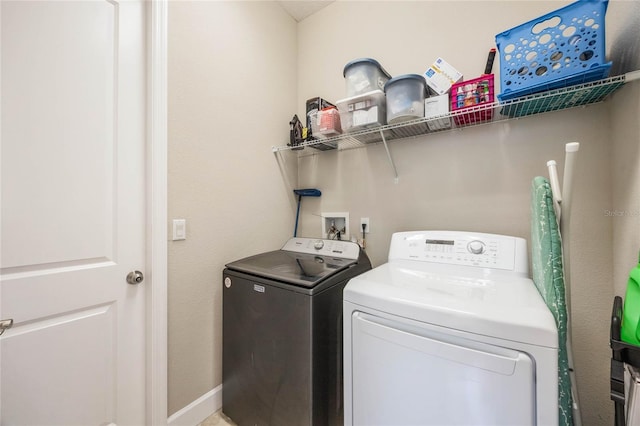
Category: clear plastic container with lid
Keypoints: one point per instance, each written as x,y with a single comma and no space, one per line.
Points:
405,97
364,75
363,111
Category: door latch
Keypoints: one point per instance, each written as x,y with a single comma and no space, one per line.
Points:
5,325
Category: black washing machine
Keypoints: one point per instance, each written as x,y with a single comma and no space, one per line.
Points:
282,333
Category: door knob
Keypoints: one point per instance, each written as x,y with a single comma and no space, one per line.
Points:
135,277
5,325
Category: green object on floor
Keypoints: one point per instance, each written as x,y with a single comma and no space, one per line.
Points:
630,331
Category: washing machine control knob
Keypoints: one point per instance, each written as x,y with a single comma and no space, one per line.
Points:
476,247
318,244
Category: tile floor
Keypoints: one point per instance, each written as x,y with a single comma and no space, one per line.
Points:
217,419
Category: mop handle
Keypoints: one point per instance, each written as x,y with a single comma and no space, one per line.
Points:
295,230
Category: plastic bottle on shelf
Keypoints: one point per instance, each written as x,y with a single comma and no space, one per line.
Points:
460,97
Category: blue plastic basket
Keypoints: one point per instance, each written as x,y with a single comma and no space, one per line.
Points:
560,49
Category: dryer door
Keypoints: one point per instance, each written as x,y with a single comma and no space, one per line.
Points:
404,375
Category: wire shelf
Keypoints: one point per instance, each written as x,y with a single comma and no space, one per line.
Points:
553,100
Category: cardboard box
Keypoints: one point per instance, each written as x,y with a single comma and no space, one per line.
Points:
441,76
437,106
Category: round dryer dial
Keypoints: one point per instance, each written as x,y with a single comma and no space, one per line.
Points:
476,247
318,244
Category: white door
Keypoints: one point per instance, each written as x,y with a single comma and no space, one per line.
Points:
73,212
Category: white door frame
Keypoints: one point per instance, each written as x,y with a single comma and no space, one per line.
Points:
156,286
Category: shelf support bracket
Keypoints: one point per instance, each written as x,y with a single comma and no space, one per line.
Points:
386,147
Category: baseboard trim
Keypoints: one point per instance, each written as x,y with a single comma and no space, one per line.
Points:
194,413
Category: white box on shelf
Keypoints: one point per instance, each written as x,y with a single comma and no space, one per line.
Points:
441,76
437,106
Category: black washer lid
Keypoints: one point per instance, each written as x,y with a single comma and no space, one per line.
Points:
300,269
364,60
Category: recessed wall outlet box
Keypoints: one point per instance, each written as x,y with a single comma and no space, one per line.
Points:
335,226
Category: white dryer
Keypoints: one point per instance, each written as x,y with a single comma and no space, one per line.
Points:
451,331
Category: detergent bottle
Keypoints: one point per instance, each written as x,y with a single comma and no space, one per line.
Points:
630,331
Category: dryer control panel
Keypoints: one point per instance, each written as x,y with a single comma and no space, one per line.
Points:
461,248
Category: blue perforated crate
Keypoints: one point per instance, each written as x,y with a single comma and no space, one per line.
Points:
560,49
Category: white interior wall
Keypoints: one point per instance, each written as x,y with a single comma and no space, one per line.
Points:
236,197
232,73
623,43
625,208
478,178
404,36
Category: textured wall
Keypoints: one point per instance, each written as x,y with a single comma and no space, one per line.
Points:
478,178
239,69
625,206
624,51
232,68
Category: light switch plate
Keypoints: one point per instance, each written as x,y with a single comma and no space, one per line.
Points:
179,229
